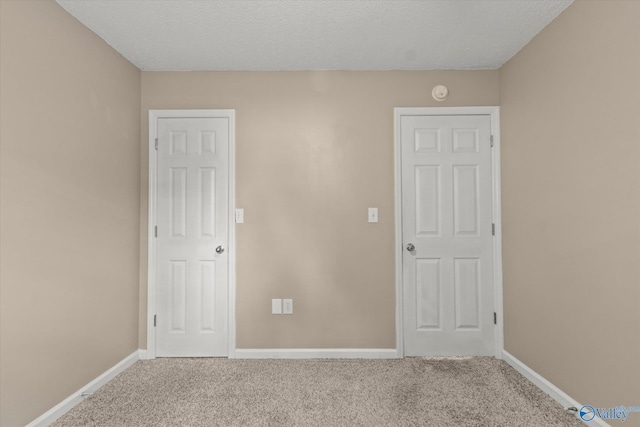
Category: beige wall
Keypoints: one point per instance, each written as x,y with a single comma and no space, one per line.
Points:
570,112
314,151
69,132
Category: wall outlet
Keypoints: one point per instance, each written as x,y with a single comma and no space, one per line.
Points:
287,306
276,306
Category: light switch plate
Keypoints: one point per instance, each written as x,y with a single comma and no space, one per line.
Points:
239,216
287,306
276,306
373,214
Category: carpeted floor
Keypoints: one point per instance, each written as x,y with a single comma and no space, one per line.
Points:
479,391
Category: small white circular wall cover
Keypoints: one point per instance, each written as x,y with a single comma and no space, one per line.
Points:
440,92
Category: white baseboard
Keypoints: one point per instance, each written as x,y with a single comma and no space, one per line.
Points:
545,385
144,354
316,353
66,405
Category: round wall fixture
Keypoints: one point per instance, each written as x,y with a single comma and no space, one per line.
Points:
440,92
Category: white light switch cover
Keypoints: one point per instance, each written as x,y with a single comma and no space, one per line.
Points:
239,216
373,214
276,306
287,306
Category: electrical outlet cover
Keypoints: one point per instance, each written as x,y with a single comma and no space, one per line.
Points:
276,306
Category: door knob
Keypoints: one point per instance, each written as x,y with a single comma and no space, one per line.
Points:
410,247
220,249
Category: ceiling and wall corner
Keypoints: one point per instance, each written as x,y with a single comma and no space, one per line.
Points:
289,35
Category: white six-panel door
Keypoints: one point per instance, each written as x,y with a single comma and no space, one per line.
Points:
447,257
192,237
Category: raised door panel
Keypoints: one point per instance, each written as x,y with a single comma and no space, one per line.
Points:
428,294
207,304
465,200
427,200
178,295
207,202
467,293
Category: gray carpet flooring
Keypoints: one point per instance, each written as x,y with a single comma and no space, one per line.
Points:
479,391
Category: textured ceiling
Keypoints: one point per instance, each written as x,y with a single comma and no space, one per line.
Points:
316,34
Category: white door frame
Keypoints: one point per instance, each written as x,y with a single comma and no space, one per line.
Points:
494,113
154,115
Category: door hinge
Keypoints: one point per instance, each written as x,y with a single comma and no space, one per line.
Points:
490,140
155,316
157,143
493,229
495,318
155,232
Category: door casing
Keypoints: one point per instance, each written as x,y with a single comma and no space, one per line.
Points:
154,115
494,114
